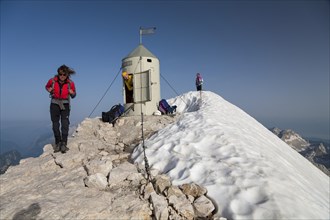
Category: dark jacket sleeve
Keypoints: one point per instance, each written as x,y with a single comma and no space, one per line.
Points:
72,85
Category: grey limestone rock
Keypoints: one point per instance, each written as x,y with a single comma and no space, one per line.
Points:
95,180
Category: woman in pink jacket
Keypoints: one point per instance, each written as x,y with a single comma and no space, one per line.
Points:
199,82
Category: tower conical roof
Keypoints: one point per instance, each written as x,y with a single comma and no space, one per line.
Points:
140,51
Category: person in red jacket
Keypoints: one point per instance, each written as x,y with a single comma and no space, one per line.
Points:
61,89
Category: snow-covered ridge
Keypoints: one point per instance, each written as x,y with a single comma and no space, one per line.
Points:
248,171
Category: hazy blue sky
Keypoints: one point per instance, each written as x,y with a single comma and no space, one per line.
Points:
270,58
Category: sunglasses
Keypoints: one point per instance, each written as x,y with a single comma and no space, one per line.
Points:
62,74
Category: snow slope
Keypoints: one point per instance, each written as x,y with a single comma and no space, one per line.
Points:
248,171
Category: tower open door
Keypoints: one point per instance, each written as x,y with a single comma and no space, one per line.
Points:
142,87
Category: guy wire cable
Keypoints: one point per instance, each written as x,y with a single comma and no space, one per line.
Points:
172,88
105,93
107,90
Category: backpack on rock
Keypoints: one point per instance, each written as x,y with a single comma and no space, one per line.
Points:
115,112
165,108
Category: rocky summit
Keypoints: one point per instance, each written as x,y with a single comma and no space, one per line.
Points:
95,179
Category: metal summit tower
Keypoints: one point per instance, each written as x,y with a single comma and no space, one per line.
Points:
143,66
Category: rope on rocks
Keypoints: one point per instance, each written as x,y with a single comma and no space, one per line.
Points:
146,162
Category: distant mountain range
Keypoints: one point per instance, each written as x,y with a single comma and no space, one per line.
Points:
8,159
317,151
11,152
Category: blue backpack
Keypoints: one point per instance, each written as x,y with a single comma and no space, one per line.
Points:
115,112
165,108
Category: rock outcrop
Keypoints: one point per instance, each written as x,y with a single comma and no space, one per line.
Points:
293,139
96,180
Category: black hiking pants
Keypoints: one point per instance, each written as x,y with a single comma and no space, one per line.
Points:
57,115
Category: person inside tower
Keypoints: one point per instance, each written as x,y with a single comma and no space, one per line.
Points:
128,80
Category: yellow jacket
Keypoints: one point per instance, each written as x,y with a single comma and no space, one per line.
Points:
129,82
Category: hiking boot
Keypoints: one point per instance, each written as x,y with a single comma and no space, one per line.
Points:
57,147
64,149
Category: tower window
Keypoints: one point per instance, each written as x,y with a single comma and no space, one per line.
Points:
126,63
149,60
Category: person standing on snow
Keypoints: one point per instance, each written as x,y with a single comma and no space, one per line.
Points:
199,82
61,89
